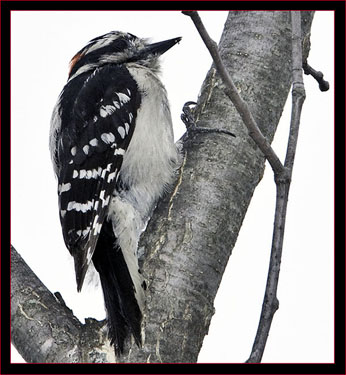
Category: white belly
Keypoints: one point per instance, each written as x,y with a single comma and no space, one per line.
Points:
152,157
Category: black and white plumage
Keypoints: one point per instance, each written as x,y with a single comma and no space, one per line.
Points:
113,153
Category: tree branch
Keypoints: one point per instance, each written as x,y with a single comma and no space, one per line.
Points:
323,85
232,92
270,303
44,330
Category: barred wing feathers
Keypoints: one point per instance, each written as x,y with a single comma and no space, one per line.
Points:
97,124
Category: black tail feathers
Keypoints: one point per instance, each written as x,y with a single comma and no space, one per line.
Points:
123,313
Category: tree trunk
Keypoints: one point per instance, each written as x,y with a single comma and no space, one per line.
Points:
192,233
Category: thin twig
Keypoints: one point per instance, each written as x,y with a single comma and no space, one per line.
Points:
323,85
270,302
282,173
298,90
232,92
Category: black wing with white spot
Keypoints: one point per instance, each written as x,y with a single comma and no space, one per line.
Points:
97,123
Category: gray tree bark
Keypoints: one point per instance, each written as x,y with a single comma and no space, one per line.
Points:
44,329
192,233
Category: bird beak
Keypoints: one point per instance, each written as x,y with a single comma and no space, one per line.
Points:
161,47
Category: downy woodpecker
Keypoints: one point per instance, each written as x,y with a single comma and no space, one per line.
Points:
112,147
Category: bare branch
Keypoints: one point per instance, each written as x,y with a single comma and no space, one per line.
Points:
323,85
43,329
298,91
232,92
270,302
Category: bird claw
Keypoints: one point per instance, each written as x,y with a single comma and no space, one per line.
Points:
189,121
187,116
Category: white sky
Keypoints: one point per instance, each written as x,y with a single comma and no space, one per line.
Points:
42,44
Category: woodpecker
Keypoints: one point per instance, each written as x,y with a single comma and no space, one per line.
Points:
113,153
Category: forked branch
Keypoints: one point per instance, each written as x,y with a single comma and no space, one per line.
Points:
232,92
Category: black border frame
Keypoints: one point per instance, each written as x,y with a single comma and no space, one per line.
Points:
339,366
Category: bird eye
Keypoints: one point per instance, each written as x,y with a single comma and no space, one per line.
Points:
119,45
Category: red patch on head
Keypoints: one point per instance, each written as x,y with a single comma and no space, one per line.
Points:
74,60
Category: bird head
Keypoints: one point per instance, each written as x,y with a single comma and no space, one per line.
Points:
119,48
